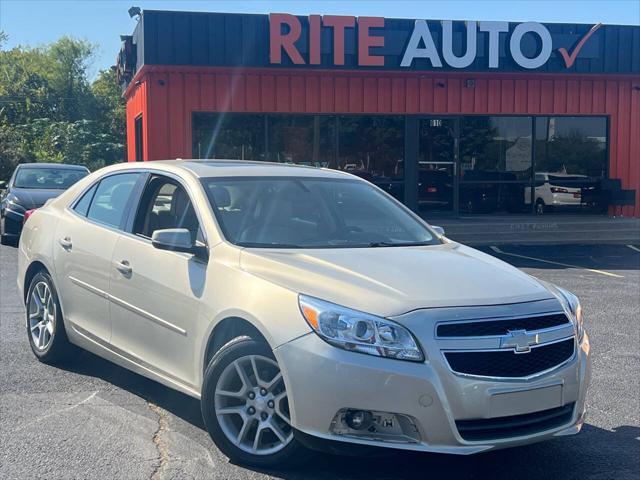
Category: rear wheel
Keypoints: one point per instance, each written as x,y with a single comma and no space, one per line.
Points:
245,406
541,208
45,327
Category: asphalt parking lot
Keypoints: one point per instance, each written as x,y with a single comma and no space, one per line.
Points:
93,419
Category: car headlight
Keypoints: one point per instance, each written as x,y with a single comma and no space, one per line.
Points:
359,332
14,207
572,307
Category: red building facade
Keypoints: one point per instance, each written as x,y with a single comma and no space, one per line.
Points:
165,93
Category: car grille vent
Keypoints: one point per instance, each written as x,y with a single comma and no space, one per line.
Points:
516,425
509,364
500,327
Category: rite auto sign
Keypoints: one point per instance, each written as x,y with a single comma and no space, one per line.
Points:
429,45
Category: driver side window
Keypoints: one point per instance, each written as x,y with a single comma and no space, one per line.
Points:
166,204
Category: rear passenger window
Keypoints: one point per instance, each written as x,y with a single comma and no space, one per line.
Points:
110,199
82,206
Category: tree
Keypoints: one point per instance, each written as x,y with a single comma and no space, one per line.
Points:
50,111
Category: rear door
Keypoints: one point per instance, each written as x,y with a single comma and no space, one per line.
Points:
85,238
156,294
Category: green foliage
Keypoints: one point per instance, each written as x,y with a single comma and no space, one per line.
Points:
51,112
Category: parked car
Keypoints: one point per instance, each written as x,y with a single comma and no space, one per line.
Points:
30,186
303,307
553,190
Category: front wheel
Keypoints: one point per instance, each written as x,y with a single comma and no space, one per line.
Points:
245,406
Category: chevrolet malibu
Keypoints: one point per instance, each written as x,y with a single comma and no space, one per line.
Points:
303,307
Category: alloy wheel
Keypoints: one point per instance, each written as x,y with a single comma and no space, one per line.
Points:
251,405
42,315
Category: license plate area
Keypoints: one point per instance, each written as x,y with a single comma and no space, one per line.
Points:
504,404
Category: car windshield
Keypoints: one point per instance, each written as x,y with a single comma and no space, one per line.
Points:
308,212
48,177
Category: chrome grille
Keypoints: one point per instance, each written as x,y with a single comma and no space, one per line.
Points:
482,328
506,363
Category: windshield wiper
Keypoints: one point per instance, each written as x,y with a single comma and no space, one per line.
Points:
402,244
269,245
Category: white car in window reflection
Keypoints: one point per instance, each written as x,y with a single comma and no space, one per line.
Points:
303,307
556,190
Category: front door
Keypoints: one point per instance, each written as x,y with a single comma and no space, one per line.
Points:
437,165
156,294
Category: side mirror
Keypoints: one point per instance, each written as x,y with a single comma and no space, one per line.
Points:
173,239
438,230
179,240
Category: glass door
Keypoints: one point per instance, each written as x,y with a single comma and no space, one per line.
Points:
437,165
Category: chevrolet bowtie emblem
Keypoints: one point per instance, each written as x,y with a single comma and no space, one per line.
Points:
520,340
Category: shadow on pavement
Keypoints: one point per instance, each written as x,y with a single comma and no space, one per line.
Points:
581,456
598,257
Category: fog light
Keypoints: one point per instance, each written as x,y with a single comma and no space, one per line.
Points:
358,419
375,426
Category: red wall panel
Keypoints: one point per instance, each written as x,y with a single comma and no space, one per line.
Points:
167,96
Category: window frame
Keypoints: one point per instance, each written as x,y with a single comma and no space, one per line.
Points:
135,210
133,199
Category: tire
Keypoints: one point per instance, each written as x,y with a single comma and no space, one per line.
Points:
247,408
540,207
45,326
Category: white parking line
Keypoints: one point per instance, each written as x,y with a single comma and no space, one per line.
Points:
601,272
633,247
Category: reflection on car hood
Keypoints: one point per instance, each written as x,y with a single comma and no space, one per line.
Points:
34,198
392,281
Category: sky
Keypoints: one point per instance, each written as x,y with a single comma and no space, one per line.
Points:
36,22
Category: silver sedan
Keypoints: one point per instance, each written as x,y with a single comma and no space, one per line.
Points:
304,307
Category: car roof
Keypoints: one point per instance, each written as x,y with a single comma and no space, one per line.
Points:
61,166
239,168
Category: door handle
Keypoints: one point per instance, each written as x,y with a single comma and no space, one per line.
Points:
65,243
124,267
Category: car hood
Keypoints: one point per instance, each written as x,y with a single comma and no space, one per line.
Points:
395,280
33,198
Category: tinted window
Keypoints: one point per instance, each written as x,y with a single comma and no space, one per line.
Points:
572,146
165,205
229,136
300,212
302,139
111,197
372,148
48,177
82,207
496,144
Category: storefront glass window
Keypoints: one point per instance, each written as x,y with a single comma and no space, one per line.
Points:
495,144
234,136
436,164
571,145
570,162
495,163
302,139
372,147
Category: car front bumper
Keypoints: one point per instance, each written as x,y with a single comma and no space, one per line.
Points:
322,380
11,227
